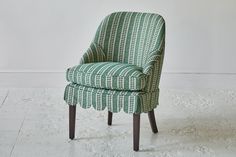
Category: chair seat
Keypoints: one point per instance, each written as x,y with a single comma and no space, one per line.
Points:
108,75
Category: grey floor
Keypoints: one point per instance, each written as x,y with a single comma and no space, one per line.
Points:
192,123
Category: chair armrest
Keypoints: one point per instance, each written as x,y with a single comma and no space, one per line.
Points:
154,57
93,54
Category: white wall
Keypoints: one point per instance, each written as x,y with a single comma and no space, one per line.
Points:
39,39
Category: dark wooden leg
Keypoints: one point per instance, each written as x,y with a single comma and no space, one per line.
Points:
109,122
152,121
136,131
72,115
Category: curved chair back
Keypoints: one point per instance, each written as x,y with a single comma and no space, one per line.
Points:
129,37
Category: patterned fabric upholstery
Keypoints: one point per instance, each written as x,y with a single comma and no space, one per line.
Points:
114,100
109,75
93,54
131,45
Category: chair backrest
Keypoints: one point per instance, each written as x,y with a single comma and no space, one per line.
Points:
129,37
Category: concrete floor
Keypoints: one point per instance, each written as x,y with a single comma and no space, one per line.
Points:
192,123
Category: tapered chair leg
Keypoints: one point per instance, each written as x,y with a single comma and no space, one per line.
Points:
72,116
152,121
109,121
136,131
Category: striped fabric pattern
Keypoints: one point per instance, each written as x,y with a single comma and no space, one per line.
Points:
93,54
131,45
108,75
131,102
129,37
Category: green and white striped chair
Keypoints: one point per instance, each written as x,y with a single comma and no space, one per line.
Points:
120,70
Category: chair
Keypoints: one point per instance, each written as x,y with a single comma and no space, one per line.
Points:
120,70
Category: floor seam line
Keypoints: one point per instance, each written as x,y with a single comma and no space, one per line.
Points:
17,135
4,99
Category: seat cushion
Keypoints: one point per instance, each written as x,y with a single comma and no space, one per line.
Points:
108,75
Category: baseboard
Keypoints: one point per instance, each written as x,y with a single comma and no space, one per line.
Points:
168,80
199,80
32,79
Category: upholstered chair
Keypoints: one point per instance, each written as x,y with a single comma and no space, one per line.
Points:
120,70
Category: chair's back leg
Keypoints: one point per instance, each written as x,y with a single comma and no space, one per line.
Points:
152,121
136,131
72,116
109,121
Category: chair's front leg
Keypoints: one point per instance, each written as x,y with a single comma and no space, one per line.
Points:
72,116
136,131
